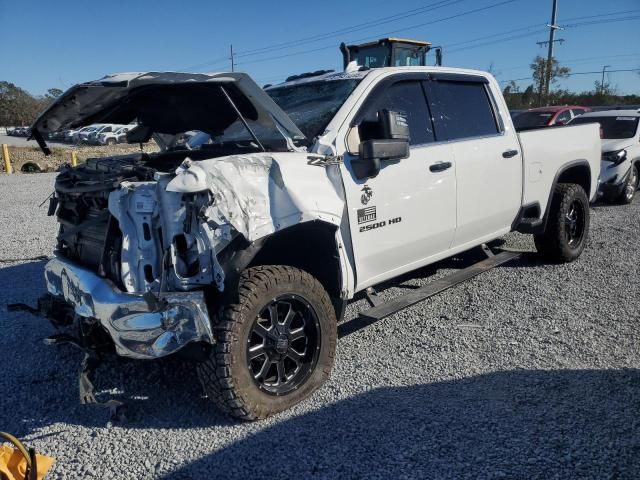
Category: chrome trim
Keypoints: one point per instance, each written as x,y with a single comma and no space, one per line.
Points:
136,329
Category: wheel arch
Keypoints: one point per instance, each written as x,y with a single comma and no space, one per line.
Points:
311,246
578,172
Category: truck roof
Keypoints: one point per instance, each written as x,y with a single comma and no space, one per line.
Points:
362,72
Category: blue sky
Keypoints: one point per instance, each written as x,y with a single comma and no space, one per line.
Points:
47,44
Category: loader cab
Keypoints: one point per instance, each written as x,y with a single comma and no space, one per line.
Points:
389,52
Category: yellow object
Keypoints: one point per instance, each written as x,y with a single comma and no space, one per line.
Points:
7,160
74,159
15,461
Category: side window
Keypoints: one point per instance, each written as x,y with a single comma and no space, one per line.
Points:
577,111
461,110
406,97
564,117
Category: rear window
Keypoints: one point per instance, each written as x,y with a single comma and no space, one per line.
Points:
612,127
461,110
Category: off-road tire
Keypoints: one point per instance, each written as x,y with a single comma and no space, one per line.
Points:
554,244
630,187
111,141
225,376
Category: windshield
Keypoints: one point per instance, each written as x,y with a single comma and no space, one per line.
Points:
312,105
532,120
612,127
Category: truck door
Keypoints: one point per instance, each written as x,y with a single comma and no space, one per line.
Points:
407,212
488,159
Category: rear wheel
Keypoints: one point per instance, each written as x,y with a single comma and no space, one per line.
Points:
567,227
630,187
274,347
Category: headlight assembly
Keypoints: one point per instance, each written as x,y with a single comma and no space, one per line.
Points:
616,157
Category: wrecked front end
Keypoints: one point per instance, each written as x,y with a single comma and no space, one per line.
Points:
133,259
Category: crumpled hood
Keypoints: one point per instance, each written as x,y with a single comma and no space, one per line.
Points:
166,102
259,194
615,144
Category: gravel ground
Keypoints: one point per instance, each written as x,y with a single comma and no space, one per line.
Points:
528,371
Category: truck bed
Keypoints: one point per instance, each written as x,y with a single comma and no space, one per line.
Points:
547,150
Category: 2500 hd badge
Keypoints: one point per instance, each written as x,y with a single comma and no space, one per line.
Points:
368,214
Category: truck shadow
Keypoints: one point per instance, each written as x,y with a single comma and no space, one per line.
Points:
43,380
39,383
508,424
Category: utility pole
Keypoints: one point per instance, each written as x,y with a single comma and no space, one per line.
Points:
545,82
232,59
552,34
602,81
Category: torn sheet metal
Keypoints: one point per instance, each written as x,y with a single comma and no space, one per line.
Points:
138,329
262,193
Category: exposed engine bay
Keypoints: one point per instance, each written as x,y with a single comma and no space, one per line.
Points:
119,219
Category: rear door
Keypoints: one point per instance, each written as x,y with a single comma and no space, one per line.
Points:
488,159
407,212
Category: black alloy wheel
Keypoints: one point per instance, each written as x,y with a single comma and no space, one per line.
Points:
575,222
283,344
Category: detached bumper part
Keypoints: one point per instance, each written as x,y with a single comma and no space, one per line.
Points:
138,330
614,186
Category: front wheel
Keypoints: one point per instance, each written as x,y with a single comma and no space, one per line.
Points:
274,347
567,226
630,187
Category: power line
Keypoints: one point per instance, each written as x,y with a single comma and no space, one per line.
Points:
467,12
577,73
399,16
353,28
515,37
322,36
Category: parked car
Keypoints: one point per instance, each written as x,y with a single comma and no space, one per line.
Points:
118,135
92,138
547,116
620,169
21,132
84,133
242,253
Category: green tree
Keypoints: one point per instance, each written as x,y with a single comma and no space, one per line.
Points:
17,106
539,70
53,93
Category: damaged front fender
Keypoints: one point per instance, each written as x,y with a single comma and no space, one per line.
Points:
260,194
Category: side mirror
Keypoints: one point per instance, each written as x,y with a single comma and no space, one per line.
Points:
390,142
372,152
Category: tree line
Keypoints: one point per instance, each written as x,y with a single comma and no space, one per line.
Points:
534,95
19,108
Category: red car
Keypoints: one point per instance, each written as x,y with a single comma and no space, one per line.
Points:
548,116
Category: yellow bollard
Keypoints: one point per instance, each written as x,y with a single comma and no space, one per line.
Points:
74,159
7,160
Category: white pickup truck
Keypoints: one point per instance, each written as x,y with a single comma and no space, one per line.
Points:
243,252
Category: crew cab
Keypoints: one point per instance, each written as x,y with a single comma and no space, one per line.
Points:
243,252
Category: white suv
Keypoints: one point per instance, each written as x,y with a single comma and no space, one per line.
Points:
118,135
620,167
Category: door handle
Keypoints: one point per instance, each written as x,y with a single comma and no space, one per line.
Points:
440,166
509,153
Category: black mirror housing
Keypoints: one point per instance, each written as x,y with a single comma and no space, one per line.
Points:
395,125
392,149
372,152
